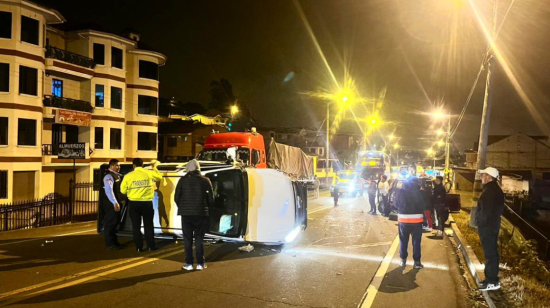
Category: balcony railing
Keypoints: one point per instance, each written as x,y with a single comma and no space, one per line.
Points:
50,149
69,57
67,103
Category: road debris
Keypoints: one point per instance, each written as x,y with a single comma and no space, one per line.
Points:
247,248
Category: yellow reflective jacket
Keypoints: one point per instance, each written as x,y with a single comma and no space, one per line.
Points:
139,185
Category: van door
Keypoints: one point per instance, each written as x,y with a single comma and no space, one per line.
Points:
228,214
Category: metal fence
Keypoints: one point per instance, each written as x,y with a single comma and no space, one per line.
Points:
54,209
513,211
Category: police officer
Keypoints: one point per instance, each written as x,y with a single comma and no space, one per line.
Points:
112,200
139,187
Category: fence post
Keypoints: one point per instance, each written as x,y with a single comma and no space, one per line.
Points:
6,220
71,198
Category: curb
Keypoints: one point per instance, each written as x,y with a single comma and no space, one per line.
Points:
470,257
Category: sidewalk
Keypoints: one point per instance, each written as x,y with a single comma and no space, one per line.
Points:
439,284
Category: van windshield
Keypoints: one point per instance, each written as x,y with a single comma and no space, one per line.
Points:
229,202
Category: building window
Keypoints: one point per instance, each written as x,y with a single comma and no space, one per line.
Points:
99,95
4,77
148,70
116,98
26,132
28,80
116,57
29,30
5,25
3,184
57,87
147,141
116,138
99,54
3,131
147,105
172,142
98,138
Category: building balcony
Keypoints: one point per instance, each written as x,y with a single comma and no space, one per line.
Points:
65,62
67,103
50,149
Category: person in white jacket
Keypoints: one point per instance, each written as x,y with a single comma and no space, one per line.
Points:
383,191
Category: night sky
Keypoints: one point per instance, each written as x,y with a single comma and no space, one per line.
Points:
421,52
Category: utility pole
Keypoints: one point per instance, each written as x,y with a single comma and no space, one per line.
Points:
484,130
328,143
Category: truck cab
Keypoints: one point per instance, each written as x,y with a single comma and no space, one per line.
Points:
249,147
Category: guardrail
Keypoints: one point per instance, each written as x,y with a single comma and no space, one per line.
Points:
69,57
67,103
529,231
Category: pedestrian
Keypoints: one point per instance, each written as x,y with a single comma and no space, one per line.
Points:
410,208
427,193
440,205
112,200
336,187
488,216
383,191
194,197
139,186
316,187
371,192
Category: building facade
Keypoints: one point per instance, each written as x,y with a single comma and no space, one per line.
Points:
63,84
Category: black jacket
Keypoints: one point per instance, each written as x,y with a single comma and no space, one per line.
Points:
410,200
194,195
490,207
439,195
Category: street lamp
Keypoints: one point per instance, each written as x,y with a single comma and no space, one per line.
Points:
234,110
439,114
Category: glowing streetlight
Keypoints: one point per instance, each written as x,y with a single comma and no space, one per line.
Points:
439,132
396,146
234,110
430,151
345,99
441,143
391,137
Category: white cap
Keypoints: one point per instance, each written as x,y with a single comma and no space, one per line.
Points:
490,171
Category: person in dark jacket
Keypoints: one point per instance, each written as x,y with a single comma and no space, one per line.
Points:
440,205
111,202
488,215
371,192
194,197
429,208
410,208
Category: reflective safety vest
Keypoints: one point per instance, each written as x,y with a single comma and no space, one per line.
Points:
410,218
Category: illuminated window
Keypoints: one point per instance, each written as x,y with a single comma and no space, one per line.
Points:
57,87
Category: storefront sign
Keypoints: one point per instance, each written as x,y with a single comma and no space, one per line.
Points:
72,117
72,151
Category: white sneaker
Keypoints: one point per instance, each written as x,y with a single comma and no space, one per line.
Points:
200,267
187,267
439,233
489,286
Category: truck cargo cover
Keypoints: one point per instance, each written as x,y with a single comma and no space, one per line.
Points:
290,160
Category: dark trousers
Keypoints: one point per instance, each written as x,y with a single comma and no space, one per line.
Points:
110,223
336,194
405,231
489,239
386,203
194,226
372,202
142,210
442,215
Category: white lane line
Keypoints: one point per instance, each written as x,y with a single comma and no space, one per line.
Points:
106,267
43,237
372,290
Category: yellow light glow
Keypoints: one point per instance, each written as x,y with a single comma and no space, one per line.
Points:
395,146
429,151
441,143
391,137
440,132
345,98
234,109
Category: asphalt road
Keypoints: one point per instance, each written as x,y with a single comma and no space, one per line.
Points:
331,264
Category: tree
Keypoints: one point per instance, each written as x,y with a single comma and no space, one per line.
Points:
221,95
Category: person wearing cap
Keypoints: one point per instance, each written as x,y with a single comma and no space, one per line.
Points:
410,209
139,186
194,196
111,200
488,215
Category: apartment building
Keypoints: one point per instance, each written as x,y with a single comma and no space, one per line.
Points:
67,84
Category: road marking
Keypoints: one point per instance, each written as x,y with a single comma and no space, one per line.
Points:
43,237
372,290
47,283
320,209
